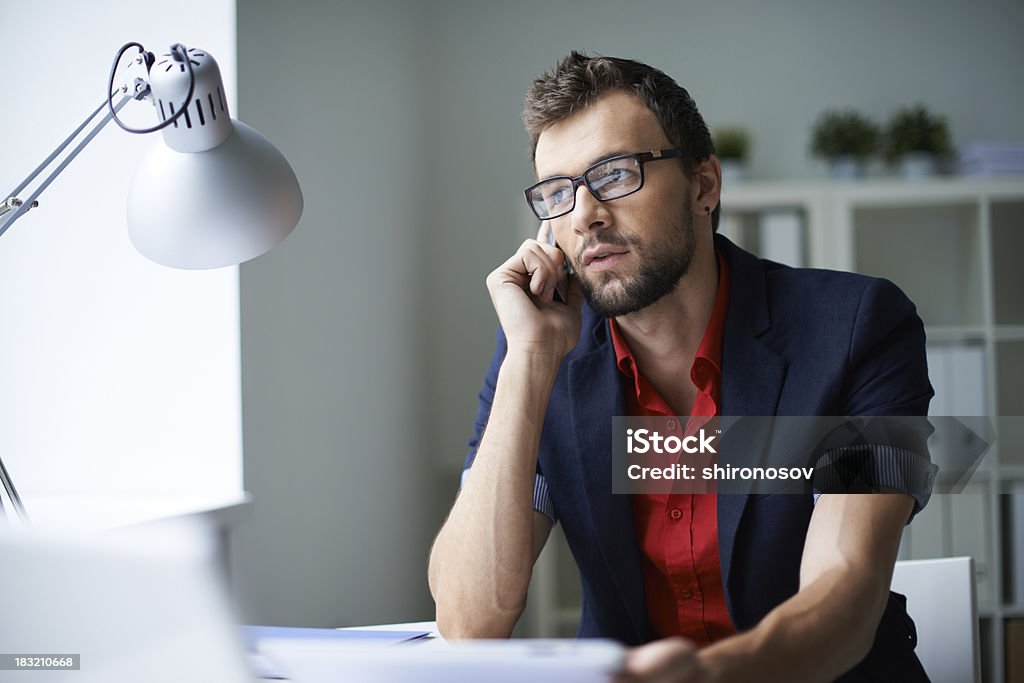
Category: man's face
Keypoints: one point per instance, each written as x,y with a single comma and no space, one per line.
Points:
630,252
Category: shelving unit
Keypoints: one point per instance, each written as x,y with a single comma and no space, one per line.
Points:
955,246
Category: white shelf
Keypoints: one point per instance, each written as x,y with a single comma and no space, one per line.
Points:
1008,332
974,333
1011,472
756,196
955,333
761,196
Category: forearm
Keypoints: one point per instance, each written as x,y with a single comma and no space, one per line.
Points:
816,635
830,624
482,559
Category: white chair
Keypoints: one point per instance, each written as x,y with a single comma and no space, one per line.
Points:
942,602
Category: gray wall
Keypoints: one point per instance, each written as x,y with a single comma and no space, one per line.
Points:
332,388
402,121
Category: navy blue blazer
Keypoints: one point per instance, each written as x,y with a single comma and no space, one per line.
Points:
796,342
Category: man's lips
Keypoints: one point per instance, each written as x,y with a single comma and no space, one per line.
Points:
602,254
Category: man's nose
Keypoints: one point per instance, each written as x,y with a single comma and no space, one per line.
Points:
590,213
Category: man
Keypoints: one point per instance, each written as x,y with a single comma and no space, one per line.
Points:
664,317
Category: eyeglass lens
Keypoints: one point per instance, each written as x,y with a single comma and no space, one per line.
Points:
607,180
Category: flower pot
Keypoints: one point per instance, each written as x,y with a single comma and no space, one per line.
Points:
917,165
847,168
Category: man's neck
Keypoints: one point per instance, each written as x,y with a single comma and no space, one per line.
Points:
670,330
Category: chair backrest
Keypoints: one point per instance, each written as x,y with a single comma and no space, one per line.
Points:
942,602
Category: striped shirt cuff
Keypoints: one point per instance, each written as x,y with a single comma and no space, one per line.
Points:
541,496
854,468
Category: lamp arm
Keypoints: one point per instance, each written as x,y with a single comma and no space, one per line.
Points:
20,207
12,495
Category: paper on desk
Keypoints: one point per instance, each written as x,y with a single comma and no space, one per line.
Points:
254,634
265,668
505,661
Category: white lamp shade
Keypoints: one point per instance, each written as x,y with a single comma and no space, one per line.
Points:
215,208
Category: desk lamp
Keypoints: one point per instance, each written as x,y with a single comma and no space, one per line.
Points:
212,193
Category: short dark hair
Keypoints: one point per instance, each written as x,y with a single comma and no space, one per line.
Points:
579,80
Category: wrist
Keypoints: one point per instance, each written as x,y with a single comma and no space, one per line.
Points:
533,360
737,658
530,373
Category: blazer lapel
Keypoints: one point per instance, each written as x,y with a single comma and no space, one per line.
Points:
596,391
752,378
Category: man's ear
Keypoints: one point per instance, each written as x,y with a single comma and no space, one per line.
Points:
709,177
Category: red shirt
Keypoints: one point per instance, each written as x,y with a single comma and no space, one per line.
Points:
678,533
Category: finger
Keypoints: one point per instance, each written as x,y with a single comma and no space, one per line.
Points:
538,283
544,232
544,267
558,283
542,251
520,267
662,659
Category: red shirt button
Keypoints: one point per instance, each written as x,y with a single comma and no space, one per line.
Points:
676,514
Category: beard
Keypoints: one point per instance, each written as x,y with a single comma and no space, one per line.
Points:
663,264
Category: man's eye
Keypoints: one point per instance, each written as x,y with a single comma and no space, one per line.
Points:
559,196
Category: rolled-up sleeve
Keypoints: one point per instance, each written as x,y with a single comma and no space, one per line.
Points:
887,377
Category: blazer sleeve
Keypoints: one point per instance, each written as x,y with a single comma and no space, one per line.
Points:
887,377
887,366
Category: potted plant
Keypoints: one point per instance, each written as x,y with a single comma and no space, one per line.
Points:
846,139
732,145
915,139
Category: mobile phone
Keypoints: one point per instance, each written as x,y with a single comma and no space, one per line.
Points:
562,289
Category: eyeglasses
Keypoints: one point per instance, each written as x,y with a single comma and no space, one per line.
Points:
608,179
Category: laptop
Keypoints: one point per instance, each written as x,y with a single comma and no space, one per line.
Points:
141,604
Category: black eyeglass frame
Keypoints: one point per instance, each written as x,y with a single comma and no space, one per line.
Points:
641,157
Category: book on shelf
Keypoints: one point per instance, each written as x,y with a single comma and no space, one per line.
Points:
957,374
1014,649
991,159
1015,538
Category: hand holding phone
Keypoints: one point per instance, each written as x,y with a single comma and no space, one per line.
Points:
538,305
